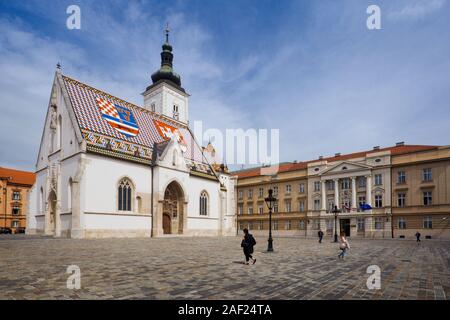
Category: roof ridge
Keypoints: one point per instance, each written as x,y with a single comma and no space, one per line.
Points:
161,116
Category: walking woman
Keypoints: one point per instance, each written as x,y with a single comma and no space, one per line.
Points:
247,245
343,245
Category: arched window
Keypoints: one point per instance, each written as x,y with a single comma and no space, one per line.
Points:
203,203
125,194
69,195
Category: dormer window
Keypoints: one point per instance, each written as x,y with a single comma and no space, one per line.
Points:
175,112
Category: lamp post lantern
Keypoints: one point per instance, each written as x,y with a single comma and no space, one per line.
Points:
335,211
270,200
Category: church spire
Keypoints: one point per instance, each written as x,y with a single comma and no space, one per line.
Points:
166,71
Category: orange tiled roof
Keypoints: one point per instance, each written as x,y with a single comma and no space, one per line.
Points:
18,177
292,166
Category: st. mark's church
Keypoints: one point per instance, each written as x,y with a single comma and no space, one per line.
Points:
109,168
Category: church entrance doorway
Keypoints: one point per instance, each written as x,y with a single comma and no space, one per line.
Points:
167,224
173,209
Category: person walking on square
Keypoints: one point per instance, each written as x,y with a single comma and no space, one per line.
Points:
343,245
247,244
320,234
417,237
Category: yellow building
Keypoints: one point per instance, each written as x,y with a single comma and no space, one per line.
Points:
14,187
361,185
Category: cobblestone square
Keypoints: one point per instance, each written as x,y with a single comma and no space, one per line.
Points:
212,268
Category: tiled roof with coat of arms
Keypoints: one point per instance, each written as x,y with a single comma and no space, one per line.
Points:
113,126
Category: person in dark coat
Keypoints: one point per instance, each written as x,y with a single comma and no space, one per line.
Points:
247,245
320,234
418,236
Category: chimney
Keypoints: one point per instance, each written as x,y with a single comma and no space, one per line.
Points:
337,154
295,161
376,148
399,144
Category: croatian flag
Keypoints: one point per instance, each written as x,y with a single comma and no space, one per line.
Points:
118,117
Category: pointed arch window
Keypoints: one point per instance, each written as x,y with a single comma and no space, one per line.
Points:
203,203
125,194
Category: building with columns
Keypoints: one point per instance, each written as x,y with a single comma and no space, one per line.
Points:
370,203
109,168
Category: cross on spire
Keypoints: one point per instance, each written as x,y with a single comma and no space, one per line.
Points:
167,32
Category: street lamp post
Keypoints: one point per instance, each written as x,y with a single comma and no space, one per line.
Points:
335,211
270,200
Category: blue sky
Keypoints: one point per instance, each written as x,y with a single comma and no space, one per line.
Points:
309,68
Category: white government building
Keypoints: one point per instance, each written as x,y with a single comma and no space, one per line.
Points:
108,168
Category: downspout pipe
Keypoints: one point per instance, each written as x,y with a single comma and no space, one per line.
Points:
152,166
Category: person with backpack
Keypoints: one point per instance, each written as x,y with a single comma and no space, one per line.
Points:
247,245
320,234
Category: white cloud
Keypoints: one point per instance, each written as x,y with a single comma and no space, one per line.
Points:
418,9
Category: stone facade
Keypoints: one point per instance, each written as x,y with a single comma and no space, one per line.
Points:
349,182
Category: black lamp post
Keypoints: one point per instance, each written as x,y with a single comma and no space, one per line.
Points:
270,200
335,211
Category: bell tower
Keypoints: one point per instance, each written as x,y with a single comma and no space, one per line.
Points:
166,95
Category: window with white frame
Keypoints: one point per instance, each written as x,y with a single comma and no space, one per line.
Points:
275,207
362,182
427,198
287,225
261,225
301,188
360,224
287,205
203,203
301,225
401,199
316,204
401,177
15,224
427,175
240,209
301,206
125,195
260,209
378,223
378,201
275,191
261,192
275,225
427,223
361,200
250,209
330,185
241,194
378,179
401,223
345,183
330,224
288,189
16,195
153,107
250,194
316,186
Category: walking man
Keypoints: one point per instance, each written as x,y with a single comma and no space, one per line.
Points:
247,245
320,234
418,237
